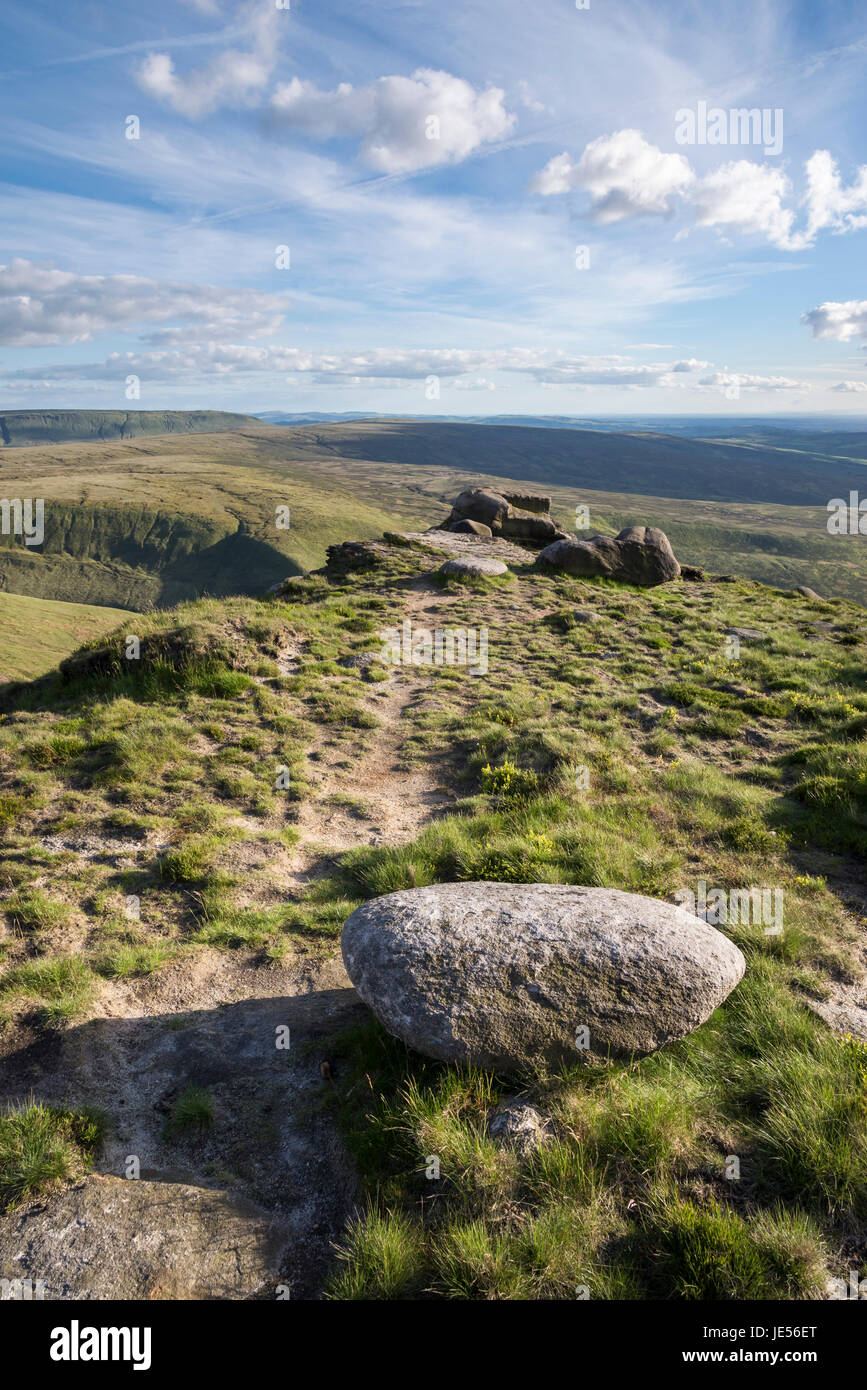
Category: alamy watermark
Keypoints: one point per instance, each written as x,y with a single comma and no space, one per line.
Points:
23,517
77,1343
22,1290
746,907
850,1288
712,125
847,518
442,646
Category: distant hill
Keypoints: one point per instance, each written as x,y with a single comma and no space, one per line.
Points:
822,431
648,464
21,427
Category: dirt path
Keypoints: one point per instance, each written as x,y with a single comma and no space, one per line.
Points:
391,802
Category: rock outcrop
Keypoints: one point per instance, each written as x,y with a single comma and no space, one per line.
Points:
514,976
350,556
512,515
638,555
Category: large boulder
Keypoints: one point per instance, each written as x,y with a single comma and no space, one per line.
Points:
638,555
512,515
511,976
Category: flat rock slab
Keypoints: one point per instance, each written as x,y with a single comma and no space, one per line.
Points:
168,1241
472,566
271,1135
513,976
464,545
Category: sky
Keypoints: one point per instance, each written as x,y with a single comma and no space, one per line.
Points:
460,207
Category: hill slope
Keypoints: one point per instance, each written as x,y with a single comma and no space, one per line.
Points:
157,778
38,633
19,428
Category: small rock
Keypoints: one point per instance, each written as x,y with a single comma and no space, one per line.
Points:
746,634
359,661
515,1124
467,527
806,592
472,567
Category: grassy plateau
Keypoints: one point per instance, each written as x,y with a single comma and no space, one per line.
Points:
619,739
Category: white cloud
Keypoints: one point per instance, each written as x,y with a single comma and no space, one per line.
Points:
850,386
748,198
462,366
403,123
234,78
840,321
40,305
829,204
624,174
744,381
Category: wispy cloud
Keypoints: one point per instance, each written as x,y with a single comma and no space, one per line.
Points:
41,305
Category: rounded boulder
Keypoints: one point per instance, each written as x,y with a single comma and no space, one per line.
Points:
513,976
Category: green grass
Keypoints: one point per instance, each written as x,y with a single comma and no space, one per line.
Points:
192,1113
60,986
37,633
130,958
33,910
42,1147
713,1253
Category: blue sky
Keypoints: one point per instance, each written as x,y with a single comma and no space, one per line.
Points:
489,206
